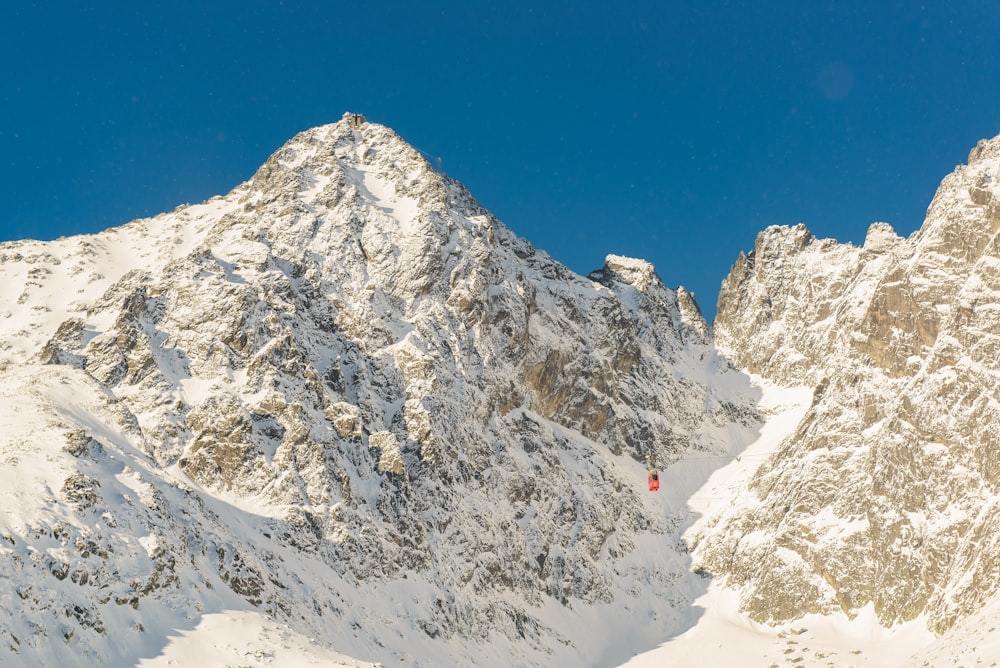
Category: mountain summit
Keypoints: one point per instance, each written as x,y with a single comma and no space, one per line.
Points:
347,398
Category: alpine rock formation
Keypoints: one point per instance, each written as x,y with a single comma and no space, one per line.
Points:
887,493
343,413
346,400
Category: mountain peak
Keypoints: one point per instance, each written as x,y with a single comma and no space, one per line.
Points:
985,149
348,365
897,341
881,238
640,274
345,151
354,187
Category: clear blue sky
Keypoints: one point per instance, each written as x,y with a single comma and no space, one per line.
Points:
671,131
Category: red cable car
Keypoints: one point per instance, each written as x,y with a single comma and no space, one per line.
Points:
654,481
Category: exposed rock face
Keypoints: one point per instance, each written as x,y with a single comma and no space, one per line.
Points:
349,346
348,397
887,491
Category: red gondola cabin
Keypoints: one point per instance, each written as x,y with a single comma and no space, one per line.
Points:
654,481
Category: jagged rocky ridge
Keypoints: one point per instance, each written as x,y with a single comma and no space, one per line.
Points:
887,492
342,375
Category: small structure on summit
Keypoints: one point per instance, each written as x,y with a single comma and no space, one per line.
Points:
357,120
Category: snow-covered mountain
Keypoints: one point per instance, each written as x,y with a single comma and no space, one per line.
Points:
343,415
886,494
345,401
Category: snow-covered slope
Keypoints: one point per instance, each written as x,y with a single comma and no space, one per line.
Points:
345,407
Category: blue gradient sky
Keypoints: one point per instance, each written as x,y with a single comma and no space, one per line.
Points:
671,131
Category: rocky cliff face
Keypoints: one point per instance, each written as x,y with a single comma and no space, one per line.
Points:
887,492
344,375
